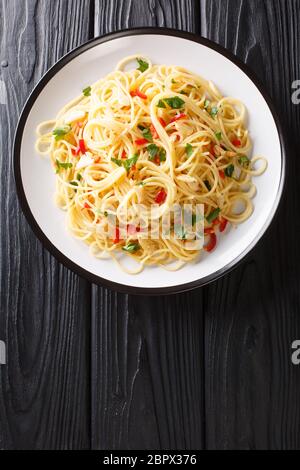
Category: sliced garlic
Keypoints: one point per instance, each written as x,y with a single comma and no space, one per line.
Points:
85,160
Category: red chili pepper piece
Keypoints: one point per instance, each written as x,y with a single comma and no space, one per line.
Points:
236,142
209,231
222,174
178,116
74,152
223,224
86,205
141,141
124,154
82,146
138,93
153,132
161,196
117,235
212,242
163,123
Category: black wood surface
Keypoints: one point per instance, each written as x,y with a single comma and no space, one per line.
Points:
45,309
88,367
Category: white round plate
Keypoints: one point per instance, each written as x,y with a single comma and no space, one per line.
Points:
36,182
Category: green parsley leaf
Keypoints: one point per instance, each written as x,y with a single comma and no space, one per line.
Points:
132,247
140,183
105,213
162,155
188,150
229,170
207,184
214,111
87,91
60,132
206,104
143,65
173,81
128,164
141,127
182,92
116,161
175,102
213,215
161,104
244,161
60,165
153,150
218,135
74,183
147,134
79,177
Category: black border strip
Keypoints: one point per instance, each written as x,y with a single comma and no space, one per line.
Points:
17,170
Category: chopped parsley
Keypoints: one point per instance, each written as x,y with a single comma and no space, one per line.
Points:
60,165
146,133
116,161
175,102
127,164
74,183
87,91
161,104
154,152
79,177
207,184
244,161
132,247
188,150
162,155
213,215
206,104
218,135
229,170
214,111
143,65
60,132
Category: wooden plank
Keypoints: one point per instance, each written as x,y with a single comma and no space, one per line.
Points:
44,320
252,389
146,352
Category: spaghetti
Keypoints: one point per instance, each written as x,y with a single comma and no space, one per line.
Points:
153,136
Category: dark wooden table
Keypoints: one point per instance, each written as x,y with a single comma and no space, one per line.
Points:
90,368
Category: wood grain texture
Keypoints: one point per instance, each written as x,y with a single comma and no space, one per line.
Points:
112,16
252,316
146,352
44,319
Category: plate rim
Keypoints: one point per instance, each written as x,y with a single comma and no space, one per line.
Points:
93,278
